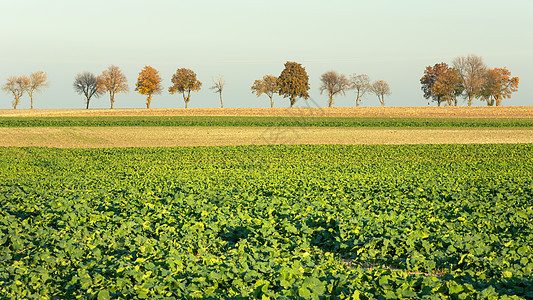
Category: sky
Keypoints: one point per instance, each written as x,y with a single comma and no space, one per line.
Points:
242,40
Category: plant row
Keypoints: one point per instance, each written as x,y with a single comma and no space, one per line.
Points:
255,121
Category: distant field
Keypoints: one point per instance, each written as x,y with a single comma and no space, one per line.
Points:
103,137
387,112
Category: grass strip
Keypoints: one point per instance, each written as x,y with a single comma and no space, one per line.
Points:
253,121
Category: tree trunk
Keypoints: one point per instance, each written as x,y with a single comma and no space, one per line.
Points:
31,101
330,101
87,103
148,101
470,98
112,98
221,103
271,102
292,99
186,102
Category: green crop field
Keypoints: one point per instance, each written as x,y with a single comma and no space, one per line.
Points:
316,222
260,121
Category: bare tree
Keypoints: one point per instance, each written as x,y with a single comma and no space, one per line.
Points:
37,83
472,71
16,85
361,84
218,86
381,89
87,84
334,83
113,81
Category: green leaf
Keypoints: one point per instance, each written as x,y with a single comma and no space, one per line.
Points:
103,295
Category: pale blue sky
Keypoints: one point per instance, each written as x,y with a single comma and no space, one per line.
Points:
243,40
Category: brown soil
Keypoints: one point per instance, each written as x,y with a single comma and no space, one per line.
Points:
418,112
99,137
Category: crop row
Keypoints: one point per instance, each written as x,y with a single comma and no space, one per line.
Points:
258,121
321,221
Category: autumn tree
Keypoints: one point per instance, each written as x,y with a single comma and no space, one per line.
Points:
472,71
37,81
113,81
149,83
381,89
498,85
16,85
268,86
431,76
184,82
87,84
361,84
293,82
334,83
218,86
448,86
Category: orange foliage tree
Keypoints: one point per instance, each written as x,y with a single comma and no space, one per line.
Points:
498,86
16,85
448,86
36,83
184,82
149,83
293,82
268,86
431,76
112,81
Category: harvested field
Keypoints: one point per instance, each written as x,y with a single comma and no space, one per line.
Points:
99,137
408,112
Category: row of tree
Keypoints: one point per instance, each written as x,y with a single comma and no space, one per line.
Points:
470,78
332,82
292,83
113,81
19,85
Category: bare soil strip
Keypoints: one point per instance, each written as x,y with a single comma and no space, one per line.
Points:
396,112
100,137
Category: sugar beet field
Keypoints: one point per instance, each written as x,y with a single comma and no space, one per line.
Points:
309,222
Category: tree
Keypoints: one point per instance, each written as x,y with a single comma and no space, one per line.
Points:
16,85
361,84
218,86
431,76
87,84
268,86
448,86
293,82
334,83
381,89
184,81
149,83
37,83
112,81
498,86
472,71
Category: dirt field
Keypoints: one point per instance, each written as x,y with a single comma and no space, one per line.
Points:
418,112
85,137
